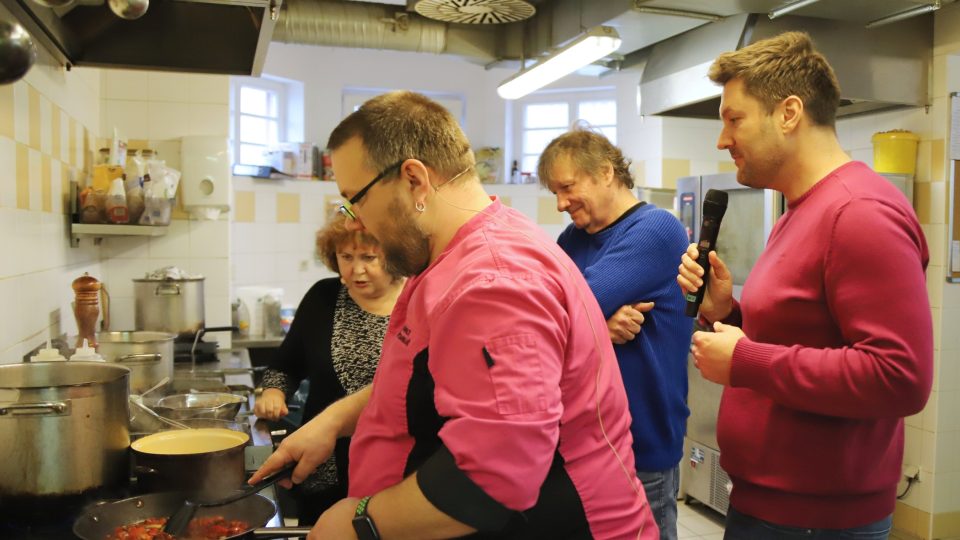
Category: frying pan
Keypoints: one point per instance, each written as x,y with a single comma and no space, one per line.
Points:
99,521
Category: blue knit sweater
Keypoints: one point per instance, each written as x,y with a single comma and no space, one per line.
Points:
635,260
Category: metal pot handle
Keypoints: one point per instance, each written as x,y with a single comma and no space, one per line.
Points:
167,289
149,357
281,532
144,470
58,408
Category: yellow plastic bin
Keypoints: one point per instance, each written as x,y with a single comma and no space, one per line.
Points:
895,151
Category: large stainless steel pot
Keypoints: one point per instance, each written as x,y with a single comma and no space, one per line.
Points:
149,355
63,432
168,305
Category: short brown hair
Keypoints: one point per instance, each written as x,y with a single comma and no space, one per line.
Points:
334,235
589,151
403,125
786,65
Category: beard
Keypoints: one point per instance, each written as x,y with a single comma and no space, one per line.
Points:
405,247
761,171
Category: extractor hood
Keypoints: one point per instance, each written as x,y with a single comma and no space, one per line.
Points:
878,69
215,36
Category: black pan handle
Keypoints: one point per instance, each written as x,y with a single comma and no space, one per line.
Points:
281,532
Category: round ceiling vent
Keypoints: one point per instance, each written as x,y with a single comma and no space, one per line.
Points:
475,11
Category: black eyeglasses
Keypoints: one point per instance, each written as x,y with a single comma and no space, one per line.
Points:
347,207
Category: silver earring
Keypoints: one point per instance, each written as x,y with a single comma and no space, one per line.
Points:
420,207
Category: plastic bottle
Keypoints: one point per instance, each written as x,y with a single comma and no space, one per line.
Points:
117,202
47,354
514,174
86,353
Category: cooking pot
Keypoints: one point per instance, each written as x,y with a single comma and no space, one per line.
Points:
168,305
204,462
98,522
149,355
200,405
63,433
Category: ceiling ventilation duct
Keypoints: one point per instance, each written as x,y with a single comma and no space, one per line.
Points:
475,11
876,72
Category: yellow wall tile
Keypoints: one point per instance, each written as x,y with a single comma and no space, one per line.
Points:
946,525
34,112
547,211
23,177
46,196
726,166
288,208
937,161
905,518
921,201
55,132
673,169
73,143
246,206
6,111
924,520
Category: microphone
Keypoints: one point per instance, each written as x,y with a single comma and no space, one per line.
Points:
714,206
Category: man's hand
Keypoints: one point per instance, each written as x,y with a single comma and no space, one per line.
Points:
713,352
624,325
309,446
336,522
718,299
271,404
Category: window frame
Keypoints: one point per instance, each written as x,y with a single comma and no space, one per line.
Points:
573,97
277,88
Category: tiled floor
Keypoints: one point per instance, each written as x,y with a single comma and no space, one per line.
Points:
697,521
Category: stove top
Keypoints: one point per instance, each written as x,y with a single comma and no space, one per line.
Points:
205,351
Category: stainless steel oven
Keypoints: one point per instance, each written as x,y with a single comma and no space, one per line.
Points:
744,230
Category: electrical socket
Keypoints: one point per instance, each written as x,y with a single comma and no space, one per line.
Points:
911,471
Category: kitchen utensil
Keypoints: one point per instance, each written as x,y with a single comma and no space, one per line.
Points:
17,53
169,305
200,405
144,420
63,434
162,382
98,522
203,462
177,524
129,9
149,355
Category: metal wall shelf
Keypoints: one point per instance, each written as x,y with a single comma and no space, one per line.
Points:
98,231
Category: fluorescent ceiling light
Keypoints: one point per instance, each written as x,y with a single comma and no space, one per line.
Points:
585,49
913,12
792,6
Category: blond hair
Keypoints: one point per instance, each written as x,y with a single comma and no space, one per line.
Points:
589,152
402,125
335,234
786,65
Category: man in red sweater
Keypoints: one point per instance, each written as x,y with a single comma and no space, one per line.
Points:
831,344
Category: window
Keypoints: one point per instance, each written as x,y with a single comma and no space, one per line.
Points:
259,108
545,115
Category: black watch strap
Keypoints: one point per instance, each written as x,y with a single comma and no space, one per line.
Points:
363,524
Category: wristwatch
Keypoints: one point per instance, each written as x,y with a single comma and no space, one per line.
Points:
362,522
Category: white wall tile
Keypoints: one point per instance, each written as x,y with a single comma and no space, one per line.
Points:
209,239
36,187
125,247
208,89
122,313
46,120
930,413
64,137
167,86
263,237
949,405
928,451
946,497
948,452
124,84
173,244
130,118
216,273
8,173
266,206
21,112
209,119
168,120
287,238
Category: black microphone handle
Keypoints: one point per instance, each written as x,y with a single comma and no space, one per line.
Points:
708,241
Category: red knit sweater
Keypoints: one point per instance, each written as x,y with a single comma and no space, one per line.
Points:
838,349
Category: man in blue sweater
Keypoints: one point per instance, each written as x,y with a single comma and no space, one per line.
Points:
627,250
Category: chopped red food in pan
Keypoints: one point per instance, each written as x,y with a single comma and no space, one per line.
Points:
207,528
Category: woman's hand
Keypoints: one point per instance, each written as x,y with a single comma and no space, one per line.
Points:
271,404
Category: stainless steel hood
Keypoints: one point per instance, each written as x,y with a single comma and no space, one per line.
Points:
216,36
878,69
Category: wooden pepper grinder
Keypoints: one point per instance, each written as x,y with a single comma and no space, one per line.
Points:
86,308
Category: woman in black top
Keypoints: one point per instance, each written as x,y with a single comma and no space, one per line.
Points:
334,342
